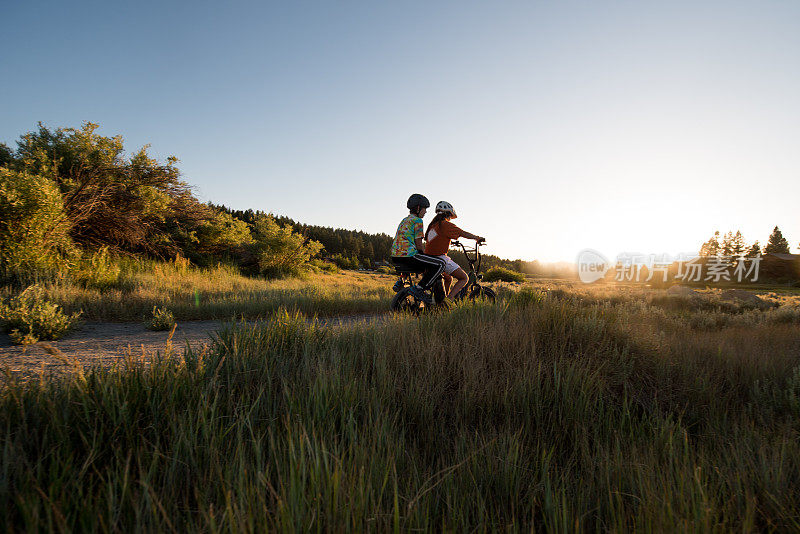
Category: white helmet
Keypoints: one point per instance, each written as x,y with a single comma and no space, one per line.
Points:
446,207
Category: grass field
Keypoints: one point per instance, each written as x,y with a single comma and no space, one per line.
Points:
574,409
219,292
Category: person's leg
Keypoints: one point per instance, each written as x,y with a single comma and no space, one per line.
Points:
431,267
434,267
461,280
448,280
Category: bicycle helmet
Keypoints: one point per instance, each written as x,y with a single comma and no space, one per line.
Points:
446,207
417,201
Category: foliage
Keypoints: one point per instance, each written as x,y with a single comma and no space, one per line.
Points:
278,251
777,244
753,251
712,247
133,204
360,247
222,233
161,319
97,269
34,230
345,262
733,244
500,274
29,317
323,265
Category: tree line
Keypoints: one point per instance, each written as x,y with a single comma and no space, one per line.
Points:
734,244
347,248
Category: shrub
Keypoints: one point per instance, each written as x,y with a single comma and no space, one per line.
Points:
501,274
385,269
97,270
162,319
278,250
343,262
34,240
324,266
28,317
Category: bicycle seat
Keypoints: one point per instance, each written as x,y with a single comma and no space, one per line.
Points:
405,270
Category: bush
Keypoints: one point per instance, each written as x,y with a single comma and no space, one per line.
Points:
28,317
343,262
34,240
501,274
162,319
97,270
324,266
278,250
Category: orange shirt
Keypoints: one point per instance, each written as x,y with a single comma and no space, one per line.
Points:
439,236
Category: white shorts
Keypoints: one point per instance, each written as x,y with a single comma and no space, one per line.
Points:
449,264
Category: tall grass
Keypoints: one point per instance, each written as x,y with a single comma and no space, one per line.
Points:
127,289
540,413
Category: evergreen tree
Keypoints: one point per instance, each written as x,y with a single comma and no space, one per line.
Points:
754,250
727,244
777,243
712,246
738,246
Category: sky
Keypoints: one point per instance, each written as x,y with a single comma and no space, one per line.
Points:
550,126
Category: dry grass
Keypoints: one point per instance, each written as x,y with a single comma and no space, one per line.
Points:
219,293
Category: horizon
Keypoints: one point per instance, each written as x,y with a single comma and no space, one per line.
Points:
551,129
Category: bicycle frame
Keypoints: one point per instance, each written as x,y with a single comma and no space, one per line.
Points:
473,256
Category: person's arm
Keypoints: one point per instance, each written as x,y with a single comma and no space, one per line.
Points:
419,233
471,236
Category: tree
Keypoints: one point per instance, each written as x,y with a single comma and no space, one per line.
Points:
221,235
712,246
777,244
726,248
754,250
6,155
130,204
737,246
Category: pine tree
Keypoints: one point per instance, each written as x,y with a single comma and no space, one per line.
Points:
738,246
712,246
727,244
754,250
777,243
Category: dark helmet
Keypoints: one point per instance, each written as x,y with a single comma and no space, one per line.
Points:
418,201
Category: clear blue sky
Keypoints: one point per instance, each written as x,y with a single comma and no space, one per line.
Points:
551,126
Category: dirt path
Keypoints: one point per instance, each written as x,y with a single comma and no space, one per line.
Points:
101,344
106,344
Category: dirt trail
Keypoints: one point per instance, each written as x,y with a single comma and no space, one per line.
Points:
105,344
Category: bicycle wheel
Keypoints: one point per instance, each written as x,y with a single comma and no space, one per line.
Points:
485,293
404,301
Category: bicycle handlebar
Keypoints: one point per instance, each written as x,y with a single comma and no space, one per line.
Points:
459,244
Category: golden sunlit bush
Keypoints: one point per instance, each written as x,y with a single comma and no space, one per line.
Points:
29,317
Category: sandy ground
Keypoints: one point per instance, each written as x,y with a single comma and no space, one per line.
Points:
107,344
